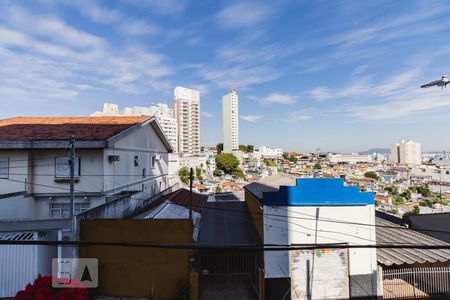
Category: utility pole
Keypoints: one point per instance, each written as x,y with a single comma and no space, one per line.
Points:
191,180
72,175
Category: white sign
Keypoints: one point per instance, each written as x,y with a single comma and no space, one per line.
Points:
74,272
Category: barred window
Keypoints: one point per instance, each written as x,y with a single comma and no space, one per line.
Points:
4,167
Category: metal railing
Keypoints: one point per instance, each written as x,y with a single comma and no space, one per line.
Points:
417,283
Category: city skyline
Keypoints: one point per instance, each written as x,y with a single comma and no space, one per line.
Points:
345,79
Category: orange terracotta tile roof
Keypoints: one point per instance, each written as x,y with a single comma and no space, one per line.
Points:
61,128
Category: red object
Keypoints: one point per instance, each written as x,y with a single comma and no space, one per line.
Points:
60,128
42,289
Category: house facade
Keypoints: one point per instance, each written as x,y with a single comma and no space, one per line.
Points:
114,155
324,213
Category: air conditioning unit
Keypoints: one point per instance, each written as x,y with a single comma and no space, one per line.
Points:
158,157
113,158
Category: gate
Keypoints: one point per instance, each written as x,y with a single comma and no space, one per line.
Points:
417,283
228,273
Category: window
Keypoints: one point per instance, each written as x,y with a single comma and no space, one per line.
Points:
153,162
4,167
62,210
62,167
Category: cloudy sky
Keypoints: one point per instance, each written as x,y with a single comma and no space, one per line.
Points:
339,75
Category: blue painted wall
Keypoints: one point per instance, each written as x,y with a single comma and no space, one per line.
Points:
318,192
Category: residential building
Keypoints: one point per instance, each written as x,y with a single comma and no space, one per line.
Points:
115,155
349,158
187,114
289,211
230,115
267,152
162,112
406,152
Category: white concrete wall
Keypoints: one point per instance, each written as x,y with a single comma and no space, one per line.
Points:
124,175
18,170
300,228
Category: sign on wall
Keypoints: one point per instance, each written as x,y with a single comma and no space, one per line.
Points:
319,274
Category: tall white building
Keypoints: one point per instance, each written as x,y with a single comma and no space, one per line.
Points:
230,113
187,114
406,152
162,112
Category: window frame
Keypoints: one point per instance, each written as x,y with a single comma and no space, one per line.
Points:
77,167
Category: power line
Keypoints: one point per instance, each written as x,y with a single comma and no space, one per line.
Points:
260,247
260,213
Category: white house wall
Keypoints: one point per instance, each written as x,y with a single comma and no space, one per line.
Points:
145,144
301,229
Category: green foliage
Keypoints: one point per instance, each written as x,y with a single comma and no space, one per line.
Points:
426,202
398,200
219,147
424,191
238,173
406,194
218,189
217,173
317,166
372,174
270,162
246,148
184,175
289,157
227,162
414,212
198,173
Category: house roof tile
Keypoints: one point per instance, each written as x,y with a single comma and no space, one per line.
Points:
61,128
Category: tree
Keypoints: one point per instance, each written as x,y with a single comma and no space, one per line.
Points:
372,174
218,189
238,173
219,148
406,194
424,191
198,173
217,172
250,148
317,166
269,162
246,148
184,175
227,162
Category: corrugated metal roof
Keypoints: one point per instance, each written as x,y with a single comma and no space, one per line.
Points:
391,233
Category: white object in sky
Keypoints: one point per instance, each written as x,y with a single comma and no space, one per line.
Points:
440,83
230,114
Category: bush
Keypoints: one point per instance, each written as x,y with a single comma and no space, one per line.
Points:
184,174
372,174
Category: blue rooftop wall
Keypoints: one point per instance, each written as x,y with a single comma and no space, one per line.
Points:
318,192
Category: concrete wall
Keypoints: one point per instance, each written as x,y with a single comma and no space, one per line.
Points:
124,174
255,211
138,272
18,207
18,170
439,222
298,225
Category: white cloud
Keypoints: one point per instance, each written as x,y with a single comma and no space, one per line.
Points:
278,98
139,27
299,115
251,118
45,58
242,14
207,114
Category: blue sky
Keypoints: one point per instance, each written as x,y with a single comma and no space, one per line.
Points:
339,75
